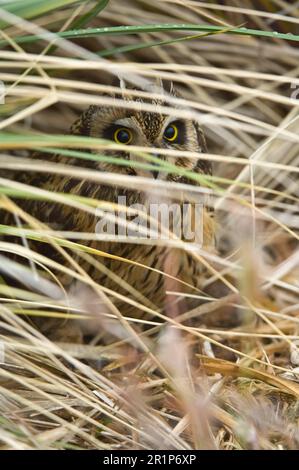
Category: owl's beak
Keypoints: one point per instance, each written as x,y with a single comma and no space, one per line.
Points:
156,173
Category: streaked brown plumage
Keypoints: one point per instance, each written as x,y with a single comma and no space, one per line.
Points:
146,129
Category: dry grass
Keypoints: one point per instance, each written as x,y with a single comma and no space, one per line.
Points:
228,379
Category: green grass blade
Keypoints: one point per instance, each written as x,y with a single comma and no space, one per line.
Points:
33,8
124,30
83,20
87,17
145,45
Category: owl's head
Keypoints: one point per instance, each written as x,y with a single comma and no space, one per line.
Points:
131,125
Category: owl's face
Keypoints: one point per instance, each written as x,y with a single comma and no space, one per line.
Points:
147,129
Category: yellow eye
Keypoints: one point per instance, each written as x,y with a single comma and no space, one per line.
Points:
171,133
123,136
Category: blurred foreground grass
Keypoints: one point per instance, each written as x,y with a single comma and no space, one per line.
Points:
215,384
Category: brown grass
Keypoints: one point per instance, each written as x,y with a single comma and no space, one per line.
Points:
224,376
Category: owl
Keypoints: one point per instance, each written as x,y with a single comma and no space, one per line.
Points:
141,275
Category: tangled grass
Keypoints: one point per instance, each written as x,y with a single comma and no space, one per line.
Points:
228,379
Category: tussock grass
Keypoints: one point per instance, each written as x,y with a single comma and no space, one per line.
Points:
221,376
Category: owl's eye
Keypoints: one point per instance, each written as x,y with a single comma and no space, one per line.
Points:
171,133
123,136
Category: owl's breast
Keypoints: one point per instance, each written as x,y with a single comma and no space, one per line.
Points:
149,275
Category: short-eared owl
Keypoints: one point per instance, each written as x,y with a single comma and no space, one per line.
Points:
139,272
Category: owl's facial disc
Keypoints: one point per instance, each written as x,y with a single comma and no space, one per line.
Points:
166,133
151,130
